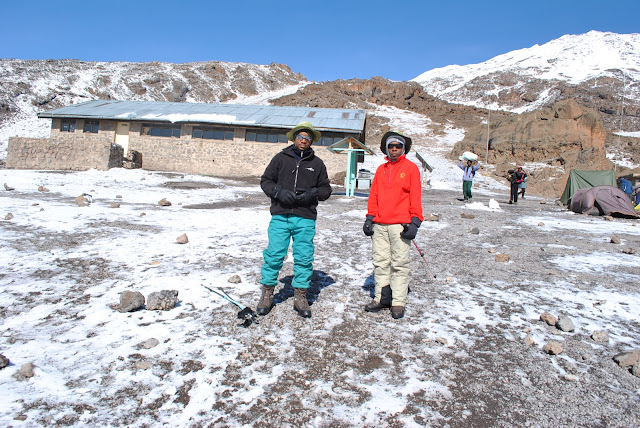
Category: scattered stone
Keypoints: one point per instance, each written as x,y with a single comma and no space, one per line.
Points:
564,323
629,251
541,224
635,370
7,187
162,300
492,250
548,318
469,216
41,209
151,343
627,359
615,240
114,205
571,378
600,336
182,239
475,231
4,361
164,203
553,348
25,372
503,258
131,301
543,202
143,214
35,204
529,340
607,218
450,279
20,418
432,217
118,196
143,365
8,216
82,201
235,279
599,302
441,340
42,189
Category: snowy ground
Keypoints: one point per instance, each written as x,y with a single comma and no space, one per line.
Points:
459,358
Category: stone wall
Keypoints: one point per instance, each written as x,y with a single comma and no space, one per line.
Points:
80,151
65,152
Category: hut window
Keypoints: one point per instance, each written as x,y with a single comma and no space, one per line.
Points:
68,125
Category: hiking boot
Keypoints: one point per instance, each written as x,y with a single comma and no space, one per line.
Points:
300,303
266,301
397,312
374,306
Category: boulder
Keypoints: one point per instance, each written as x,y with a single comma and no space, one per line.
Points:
131,301
564,323
162,300
553,348
182,239
4,361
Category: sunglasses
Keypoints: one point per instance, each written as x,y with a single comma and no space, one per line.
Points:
303,137
395,146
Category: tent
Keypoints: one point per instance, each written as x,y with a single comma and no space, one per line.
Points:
580,179
602,200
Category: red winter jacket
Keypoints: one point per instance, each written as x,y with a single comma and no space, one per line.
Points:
396,193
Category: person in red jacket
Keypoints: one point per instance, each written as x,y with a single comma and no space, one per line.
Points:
394,214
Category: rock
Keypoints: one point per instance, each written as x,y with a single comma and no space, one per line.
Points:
25,372
42,189
162,300
615,240
82,201
118,196
529,340
629,251
235,279
4,361
450,279
543,202
635,370
541,224
492,250
553,348
150,343
564,323
164,203
468,216
143,365
7,187
600,336
432,217
548,318
441,340
571,378
607,218
114,205
475,231
142,214
182,239
8,216
503,258
131,301
627,359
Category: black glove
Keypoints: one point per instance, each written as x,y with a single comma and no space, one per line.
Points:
286,196
308,197
411,230
368,226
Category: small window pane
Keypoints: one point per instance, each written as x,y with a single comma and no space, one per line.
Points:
228,135
218,135
272,138
197,133
176,132
251,136
208,134
282,138
261,137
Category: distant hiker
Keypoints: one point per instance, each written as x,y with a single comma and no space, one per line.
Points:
515,178
394,214
626,186
522,187
469,171
295,180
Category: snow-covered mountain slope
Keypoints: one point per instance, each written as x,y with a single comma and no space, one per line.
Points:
526,79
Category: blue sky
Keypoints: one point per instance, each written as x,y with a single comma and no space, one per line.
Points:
324,40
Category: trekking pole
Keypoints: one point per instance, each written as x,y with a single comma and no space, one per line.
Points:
246,313
423,258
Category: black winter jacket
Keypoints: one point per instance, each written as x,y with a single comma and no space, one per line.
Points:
298,176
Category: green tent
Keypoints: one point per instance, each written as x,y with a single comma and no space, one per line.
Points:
582,178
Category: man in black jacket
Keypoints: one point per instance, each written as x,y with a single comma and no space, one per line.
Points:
295,180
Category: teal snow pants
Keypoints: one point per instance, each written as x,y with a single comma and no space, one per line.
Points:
283,228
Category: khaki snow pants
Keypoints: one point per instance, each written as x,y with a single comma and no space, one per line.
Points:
391,262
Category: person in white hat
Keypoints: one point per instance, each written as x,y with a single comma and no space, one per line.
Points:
468,172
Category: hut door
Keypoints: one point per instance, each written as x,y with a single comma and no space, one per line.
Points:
122,136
